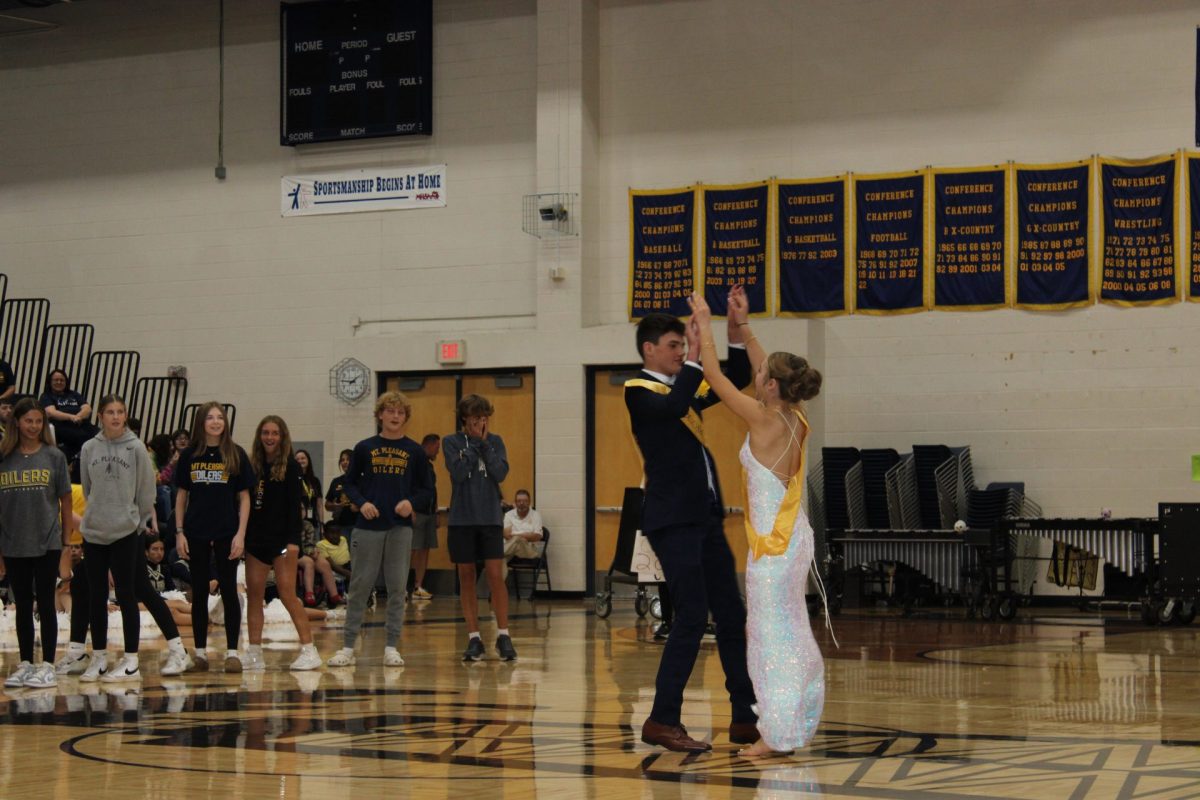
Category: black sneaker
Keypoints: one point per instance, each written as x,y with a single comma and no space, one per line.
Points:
505,649
474,651
662,632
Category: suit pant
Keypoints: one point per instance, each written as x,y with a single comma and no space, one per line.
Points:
699,569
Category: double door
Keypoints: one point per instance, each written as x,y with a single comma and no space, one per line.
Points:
616,464
434,411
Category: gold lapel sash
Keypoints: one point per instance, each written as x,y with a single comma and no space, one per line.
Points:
691,419
775,543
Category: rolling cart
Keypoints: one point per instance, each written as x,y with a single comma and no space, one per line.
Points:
620,571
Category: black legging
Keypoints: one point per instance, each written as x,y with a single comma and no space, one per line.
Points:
25,576
202,554
143,590
120,557
80,600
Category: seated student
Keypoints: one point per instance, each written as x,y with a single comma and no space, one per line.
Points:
8,382
157,571
334,549
69,413
311,563
522,530
164,473
6,407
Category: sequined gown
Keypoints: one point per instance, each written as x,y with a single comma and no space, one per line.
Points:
783,658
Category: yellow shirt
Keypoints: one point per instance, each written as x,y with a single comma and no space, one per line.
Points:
338,554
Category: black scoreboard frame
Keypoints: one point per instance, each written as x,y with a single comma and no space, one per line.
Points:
407,105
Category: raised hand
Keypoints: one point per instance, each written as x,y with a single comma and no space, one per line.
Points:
739,304
701,313
692,334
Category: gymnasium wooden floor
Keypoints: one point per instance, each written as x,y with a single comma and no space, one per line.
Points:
921,708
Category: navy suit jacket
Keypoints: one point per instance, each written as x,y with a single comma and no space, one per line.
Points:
676,479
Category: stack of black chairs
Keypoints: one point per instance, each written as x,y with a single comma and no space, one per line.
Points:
875,465
904,507
927,458
986,507
835,463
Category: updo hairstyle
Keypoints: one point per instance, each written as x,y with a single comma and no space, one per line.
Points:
797,380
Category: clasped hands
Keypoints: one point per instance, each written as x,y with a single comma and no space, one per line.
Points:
699,327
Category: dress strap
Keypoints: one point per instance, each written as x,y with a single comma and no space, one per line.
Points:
787,447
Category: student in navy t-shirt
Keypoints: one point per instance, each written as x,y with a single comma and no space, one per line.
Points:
212,507
387,479
69,412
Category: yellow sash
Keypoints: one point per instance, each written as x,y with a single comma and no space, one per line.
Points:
691,419
776,542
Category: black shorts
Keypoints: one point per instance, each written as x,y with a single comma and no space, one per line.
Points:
267,550
470,543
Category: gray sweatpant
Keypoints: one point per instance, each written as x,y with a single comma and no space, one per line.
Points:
370,553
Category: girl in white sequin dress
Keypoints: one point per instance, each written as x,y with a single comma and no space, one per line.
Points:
784,661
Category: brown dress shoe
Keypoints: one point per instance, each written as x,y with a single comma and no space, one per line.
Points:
672,737
743,732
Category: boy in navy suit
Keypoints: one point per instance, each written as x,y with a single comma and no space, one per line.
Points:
682,516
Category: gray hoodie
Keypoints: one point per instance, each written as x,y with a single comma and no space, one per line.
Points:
118,482
477,467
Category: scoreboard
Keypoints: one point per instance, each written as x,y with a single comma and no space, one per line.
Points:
355,69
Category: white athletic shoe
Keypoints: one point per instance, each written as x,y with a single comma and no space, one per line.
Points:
391,657
95,669
42,677
19,676
342,658
72,664
253,662
308,659
177,663
126,669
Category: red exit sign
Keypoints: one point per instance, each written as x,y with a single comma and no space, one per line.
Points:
452,352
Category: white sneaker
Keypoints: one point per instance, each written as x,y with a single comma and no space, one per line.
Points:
97,667
19,676
178,663
421,594
391,657
126,670
72,664
42,677
253,662
308,659
342,658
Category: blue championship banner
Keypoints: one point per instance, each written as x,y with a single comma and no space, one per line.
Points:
810,246
1140,265
1054,253
735,244
662,251
970,243
1193,217
889,243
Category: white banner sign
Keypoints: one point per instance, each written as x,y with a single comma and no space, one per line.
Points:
363,190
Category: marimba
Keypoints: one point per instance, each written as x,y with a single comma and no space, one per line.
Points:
1127,544
938,555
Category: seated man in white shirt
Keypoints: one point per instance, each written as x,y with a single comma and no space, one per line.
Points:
522,530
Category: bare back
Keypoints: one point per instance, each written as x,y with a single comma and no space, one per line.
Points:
777,440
